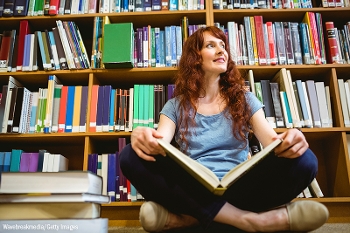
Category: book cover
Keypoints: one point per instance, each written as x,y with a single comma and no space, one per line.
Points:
112,176
303,104
76,108
99,110
205,176
63,110
332,44
322,103
268,103
120,56
93,108
15,160
112,111
51,182
56,107
275,94
70,109
60,51
315,112
83,108
259,33
288,43
5,49
106,106
36,211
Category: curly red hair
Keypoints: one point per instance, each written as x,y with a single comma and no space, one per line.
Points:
189,84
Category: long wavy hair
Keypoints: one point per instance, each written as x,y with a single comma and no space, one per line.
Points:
189,85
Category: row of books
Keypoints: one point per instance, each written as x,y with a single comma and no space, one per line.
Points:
60,108
145,47
61,7
57,49
115,184
313,190
52,202
255,42
18,160
265,4
296,103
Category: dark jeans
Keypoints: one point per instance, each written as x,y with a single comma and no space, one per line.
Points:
276,181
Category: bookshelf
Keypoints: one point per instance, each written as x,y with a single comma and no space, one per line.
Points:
329,144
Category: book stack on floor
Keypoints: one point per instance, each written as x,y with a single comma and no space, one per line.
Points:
52,202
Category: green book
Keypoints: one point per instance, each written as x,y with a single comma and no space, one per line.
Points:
118,45
15,160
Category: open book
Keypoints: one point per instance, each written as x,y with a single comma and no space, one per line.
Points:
206,176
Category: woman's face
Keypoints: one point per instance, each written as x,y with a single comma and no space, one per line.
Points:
214,55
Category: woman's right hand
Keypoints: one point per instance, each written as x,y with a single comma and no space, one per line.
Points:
144,143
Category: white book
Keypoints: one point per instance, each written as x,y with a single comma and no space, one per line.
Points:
60,163
307,102
66,46
232,40
131,109
322,103
251,81
104,173
316,189
97,225
343,102
329,105
50,182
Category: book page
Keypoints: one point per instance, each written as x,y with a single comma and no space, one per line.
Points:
238,171
197,170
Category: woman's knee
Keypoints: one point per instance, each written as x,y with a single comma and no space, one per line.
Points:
125,157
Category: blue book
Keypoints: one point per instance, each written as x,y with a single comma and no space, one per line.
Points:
117,171
147,5
2,158
70,109
111,111
92,162
125,6
167,41
111,177
15,160
25,63
304,41
106,107
54,50
173,5
41,159
162,48
42,50
173,45
156,5
7,161
99,109
157,45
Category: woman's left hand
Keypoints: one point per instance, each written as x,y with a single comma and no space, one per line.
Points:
294,144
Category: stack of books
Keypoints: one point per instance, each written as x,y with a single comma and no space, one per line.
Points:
52,202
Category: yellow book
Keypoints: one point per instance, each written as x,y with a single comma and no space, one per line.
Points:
76,111
255,46
206,177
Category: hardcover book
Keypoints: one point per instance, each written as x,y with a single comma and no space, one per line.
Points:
120,56
50,182
206,177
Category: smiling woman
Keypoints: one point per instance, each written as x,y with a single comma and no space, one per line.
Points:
210,118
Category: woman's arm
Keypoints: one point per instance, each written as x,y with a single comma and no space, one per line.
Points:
143,139
294,143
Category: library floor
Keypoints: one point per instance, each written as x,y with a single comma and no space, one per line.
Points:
327,228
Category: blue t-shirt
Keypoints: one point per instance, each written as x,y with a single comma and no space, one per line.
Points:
211,142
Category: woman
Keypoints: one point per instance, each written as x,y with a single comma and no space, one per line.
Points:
210,118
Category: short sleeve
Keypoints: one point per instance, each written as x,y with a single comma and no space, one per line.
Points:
170,109
254,103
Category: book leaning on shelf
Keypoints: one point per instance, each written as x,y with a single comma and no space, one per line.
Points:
206,177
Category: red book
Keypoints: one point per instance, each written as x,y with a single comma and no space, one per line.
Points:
23,31
53,9
93,108
63,109
259,32
4,51
332,43
271,42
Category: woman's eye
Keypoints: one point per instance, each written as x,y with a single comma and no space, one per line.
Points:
209,46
